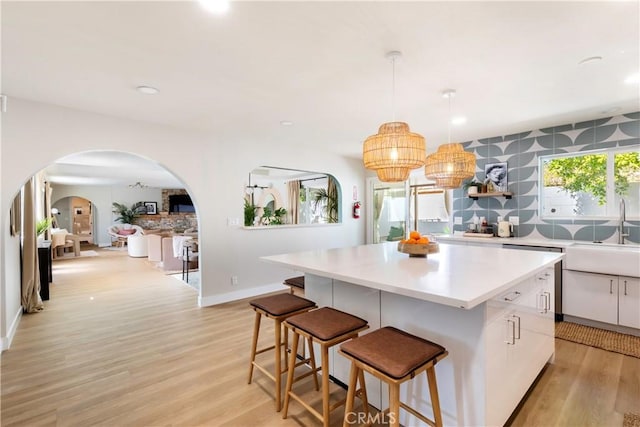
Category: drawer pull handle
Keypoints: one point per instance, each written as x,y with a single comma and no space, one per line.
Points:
517,336
611,286
511,340
547,302
512,296
625,287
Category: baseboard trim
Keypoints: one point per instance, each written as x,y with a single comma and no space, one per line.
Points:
6,341
240,294
601,325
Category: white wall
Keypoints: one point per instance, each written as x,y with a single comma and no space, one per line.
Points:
102,199
214,172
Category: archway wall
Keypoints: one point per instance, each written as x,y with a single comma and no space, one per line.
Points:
214,170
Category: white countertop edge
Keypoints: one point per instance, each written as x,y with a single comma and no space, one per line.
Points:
510,241
453,302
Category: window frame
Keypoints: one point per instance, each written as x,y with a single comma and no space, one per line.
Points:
610,187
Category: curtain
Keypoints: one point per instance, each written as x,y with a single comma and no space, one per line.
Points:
293,190
16,216
378,202
31,301
332,199
47,207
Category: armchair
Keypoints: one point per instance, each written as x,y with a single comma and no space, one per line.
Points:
120,232
61,239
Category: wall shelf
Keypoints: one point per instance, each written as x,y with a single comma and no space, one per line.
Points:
505,194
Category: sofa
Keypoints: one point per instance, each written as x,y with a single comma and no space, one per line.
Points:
160,249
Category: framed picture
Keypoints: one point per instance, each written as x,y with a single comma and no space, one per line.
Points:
151,207
496,177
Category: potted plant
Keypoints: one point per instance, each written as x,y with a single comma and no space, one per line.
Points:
127,215
43,225
330,208
270,217
472,186
249,213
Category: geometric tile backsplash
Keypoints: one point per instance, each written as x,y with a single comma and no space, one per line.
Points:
521,151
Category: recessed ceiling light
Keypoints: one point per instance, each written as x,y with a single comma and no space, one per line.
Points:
590,60
458,120
286,123
448,93
217,7
633,78
147,90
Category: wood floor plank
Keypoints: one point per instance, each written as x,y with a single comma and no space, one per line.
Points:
122,344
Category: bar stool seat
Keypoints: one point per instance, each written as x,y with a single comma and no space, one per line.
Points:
295,283
394,356
327,327
278,307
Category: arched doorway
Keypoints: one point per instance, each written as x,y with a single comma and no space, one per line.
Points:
76,215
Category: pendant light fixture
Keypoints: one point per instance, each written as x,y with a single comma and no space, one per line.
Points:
450,165
394,151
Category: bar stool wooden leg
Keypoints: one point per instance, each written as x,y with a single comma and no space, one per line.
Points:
292,362
351,394
254,345
394,404
286,346
278,372
312,361
325,386
363,392
433,392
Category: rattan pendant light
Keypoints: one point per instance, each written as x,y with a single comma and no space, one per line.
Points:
450,165
394,151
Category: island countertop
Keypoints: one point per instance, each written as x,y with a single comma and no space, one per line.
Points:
458,276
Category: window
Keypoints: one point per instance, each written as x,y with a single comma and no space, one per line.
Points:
590,185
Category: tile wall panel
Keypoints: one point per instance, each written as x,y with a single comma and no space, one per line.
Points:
521,152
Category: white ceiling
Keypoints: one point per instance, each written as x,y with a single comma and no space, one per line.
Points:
322,65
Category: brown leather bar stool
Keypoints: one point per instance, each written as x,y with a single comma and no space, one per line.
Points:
295,283
278,307
393,356
327,327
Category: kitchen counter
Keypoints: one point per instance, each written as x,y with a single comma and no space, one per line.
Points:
457,276
491,308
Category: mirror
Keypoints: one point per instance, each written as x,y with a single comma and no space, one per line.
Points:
278,196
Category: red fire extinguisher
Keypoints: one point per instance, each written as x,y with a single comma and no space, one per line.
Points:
356,209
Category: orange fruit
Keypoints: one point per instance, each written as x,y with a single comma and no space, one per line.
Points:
414,235
423,241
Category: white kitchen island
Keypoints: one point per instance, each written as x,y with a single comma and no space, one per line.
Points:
491,308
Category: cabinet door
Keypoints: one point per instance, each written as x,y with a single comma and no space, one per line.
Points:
629,301
590,296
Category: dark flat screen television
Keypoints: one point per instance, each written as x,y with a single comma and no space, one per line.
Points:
181,203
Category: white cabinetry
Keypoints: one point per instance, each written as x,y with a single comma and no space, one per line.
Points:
604,298
520,334
629,301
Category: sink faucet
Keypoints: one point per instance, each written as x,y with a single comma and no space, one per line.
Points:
623,215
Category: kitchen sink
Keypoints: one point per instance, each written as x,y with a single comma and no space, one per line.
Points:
605,258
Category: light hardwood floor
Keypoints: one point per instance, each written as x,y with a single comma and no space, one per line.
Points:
121,344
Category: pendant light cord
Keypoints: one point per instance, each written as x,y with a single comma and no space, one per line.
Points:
393,88
449,124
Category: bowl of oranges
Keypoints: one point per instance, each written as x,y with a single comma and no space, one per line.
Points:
417,245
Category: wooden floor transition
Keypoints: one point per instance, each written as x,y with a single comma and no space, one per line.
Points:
122,344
